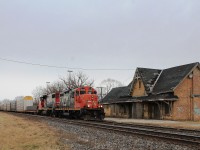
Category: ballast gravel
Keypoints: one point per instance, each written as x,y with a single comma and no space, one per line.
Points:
86,138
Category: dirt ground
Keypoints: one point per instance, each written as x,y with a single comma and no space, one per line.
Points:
21,134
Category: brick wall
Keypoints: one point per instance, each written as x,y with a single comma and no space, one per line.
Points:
138,90
107,110
182,107
187,107
196,91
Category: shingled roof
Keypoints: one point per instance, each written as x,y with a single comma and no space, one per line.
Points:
115,93
163,83
171,77
126,91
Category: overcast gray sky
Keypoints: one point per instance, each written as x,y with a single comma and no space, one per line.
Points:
93,34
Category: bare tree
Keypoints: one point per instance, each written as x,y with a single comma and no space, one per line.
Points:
76,80
37,92
57,86
108,84
5,100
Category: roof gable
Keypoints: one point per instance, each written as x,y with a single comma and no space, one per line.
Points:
148,77
171,77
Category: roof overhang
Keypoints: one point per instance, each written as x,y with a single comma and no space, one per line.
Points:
137,100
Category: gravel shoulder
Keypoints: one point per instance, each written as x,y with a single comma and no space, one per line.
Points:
86,138
77,137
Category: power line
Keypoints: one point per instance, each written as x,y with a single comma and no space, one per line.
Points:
61,67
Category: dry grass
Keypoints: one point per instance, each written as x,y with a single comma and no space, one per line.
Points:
21,134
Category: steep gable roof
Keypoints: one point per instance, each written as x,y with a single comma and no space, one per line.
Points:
171,77
148,77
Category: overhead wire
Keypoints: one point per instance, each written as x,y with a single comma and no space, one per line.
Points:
61,67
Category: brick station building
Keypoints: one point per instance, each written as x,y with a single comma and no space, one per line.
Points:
172,94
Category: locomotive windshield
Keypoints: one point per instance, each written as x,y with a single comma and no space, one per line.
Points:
82,91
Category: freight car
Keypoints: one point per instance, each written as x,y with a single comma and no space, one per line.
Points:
23,103
78,103
13,105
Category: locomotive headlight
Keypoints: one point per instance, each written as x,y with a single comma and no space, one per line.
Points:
88,105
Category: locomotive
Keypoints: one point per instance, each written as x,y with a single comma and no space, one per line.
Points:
80,103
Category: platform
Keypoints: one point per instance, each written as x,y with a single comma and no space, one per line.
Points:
164,123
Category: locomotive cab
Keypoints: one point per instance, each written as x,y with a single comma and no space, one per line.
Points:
86,97
56,99
42,102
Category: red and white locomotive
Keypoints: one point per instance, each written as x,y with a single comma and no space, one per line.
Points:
78,103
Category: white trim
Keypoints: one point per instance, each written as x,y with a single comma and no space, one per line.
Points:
156,81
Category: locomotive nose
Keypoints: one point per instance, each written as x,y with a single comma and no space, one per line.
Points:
91,102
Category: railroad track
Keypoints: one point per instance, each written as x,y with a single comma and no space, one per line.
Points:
156,127
184,136
170,134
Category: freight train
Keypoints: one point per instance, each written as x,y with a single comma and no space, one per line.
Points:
79,103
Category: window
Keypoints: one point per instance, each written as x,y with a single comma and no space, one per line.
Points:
140,84
94,92
77,93
82,92
72,94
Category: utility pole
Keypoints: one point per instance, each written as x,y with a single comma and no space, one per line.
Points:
101,91
47,87
69,71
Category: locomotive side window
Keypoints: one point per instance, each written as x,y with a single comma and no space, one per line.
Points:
94,92
72,94
77,93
